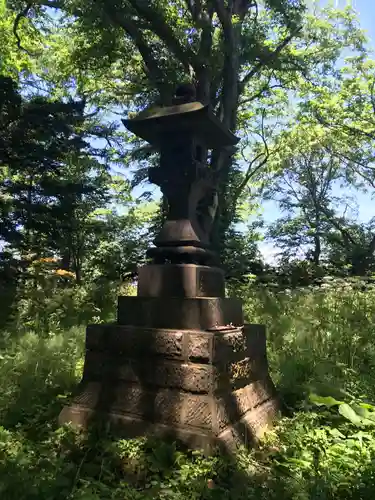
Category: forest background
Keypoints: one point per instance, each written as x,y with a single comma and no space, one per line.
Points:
295,229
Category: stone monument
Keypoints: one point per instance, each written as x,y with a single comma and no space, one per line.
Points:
180,361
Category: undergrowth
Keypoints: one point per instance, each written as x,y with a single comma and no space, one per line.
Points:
320,347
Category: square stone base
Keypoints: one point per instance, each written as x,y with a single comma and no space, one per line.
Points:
202,388
180,280
193,313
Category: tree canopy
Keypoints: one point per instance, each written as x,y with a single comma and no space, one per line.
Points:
297,87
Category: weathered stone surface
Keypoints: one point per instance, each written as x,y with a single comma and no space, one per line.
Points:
193,345
165,406
230,420
77,415
235,436
130,426
131,340
246,369
133,398
161,404
197,412
191,377
251,339
180,280
187,377
89,396
256,340
262,417
173,407
98,335
260,391
166,343
251,428
194,378
179,313
199,346
237,374
240,370
210,282
231,406
203,387
226,344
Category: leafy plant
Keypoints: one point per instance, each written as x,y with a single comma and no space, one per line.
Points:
358,413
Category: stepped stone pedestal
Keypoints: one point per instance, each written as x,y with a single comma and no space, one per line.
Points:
179,361
183,367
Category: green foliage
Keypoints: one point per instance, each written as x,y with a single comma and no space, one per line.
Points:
240,254
36,374
325,146
125,55
360,414
14,62
320,337
322,460
74,235
57,225
48,177
321,354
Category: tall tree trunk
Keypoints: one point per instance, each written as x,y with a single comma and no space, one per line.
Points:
222,160
223,217
78,271
317,250
29,203
217,76
317,240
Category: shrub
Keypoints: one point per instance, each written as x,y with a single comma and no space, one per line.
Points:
321,357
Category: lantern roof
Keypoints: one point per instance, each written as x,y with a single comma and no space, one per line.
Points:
195,119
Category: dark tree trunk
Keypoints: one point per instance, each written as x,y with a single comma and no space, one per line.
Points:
317,250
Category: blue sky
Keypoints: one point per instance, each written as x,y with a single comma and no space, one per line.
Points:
366,205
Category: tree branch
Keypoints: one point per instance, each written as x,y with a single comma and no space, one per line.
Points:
21,15
229,93
195,9
268,59
203,73
151,64
160,27
224,16
250,171
259,94
345,233
350,130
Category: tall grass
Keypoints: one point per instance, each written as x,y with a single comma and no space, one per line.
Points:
319,340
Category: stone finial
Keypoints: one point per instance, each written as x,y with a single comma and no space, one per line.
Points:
185,92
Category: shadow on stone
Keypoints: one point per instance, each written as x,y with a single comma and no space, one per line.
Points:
180,361
205,389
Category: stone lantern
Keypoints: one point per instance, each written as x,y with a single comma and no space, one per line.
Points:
179,361
184,133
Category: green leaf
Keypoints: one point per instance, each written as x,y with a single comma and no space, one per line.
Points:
336,433
347,412
364,413
367,406
327,401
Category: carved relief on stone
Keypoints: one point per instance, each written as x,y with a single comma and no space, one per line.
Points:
184,133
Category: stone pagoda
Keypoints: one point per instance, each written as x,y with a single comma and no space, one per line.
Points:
179,361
